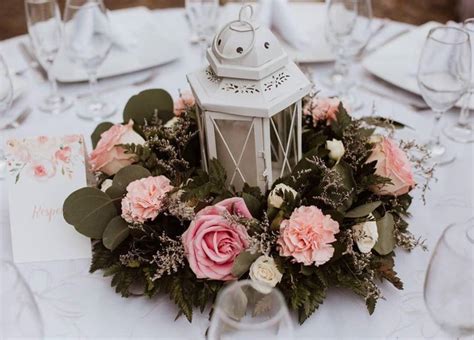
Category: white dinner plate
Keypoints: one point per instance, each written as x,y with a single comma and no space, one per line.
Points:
397,62
148,47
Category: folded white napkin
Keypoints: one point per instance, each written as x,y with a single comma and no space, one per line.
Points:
90,20
276,14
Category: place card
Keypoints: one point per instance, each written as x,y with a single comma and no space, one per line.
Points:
42,172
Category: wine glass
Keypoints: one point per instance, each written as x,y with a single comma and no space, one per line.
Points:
448,291
347,30
6,97
444,74
19,314
202,16
45,31
463,130
243,312
87,41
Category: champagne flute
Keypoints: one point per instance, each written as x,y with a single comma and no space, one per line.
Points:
87,41
243,312
45,30
448,290
444,73
6,97
202,15
347,30
463,130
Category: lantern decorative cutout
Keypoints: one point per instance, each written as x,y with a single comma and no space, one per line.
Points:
250,104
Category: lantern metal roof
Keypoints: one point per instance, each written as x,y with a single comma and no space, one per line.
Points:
250,74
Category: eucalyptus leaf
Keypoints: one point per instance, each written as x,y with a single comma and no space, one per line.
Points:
124,177
252,203
116,232
99,130
144,105
386,241
89,210
243,262
363,210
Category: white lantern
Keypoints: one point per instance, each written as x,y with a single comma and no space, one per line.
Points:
249,102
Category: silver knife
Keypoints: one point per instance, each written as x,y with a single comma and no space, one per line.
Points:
31,60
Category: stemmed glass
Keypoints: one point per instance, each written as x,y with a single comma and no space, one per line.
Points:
87,41
463,130
19,314
6,97
45,30
444,73
448,292
202,15
347,30
243,312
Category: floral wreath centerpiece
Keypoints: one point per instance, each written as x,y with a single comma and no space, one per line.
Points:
249,178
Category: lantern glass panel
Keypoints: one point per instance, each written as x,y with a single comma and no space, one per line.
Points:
284,141
235,148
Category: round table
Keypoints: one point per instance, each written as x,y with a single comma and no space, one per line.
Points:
74,303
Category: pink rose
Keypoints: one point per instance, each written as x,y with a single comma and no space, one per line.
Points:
212,241
322,109
108,157
185,101
63,154
307,236
392,163
145,199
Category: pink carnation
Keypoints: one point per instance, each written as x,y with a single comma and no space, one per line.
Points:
212,241
108,157
322,109
392,163
185,101
144,199
307,236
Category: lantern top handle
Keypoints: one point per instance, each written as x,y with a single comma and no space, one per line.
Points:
241,21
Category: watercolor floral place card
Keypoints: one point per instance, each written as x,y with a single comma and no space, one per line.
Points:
42,173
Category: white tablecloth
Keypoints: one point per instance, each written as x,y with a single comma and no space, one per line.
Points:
74,303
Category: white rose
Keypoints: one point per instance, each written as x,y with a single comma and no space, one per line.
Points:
274,199
264,274
172,122
365,235
106,184
336,149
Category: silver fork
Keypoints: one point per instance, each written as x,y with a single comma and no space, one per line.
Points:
20,119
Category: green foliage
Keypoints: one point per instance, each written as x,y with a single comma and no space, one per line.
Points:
102,258
363,210
205,185
304,291
124,177
116,232
383,122
145,105
134,256
243,262
386,241
384,265
89,210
